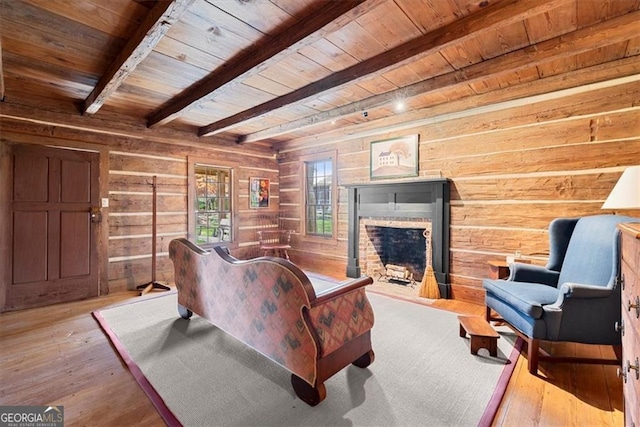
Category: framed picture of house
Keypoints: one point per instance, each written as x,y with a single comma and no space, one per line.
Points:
259,192
394,158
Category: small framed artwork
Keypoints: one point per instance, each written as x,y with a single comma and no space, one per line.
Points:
394,158
259,192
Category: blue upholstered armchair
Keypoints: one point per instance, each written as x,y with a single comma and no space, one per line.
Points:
576,297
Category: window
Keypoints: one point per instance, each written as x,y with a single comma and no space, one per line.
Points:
212,218
319,197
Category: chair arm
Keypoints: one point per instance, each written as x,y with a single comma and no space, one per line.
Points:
579,290
521,272
341,289
575,292
584,313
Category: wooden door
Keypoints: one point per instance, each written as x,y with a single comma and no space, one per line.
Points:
55,200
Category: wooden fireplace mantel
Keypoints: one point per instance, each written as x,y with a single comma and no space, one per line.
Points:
424,199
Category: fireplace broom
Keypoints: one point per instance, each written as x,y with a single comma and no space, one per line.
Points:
429,286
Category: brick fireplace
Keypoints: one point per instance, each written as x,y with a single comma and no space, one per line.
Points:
380,210
391,241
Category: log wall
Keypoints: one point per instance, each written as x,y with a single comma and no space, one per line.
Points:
129,166
514,166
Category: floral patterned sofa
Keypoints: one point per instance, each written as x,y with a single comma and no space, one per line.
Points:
270,305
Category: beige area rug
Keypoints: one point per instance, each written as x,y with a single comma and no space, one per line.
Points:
423,373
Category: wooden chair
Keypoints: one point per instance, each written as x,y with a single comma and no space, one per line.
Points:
275,241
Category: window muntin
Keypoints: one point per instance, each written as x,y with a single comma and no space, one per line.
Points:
212,204
319,198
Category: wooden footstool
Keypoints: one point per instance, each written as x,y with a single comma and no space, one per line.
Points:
481,333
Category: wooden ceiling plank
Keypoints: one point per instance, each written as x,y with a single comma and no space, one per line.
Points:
559,48
305,32
115,18
471,26
146,37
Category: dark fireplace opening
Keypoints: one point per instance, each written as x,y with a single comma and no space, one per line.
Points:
398,247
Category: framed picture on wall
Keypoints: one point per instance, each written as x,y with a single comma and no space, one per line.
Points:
259,192
394,158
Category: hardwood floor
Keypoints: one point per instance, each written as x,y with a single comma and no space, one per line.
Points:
561,394
58,355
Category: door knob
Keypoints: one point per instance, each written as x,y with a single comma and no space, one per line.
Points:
96,215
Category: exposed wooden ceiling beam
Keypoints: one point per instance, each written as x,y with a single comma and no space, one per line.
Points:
311,28
580,41
153,28
471,26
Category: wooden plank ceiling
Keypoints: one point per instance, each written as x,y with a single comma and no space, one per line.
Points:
269,71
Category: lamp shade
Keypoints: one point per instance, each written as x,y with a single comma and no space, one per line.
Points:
626,193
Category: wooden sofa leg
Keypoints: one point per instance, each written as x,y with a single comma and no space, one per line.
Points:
308,394
533,351
365,360
487,315
184,312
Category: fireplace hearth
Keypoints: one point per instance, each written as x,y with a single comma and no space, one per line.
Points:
412,204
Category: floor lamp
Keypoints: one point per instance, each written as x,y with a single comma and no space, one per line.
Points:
153,284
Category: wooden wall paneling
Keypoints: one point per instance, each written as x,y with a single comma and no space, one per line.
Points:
329,264
500,242
162,166
127,165
167,225
512,171
524,215
354,175
140,245
6,250
543,160
122,202
587,130
131,200
592,184
120,181
290,200
126,275
121,224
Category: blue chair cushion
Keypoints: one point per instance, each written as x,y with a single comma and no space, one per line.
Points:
525,297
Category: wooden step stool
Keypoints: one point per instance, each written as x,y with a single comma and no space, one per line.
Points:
481,333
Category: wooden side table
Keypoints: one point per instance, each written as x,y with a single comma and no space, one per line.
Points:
498,269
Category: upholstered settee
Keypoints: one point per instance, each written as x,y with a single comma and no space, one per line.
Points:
271,305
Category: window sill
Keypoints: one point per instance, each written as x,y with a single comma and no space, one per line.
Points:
318,239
